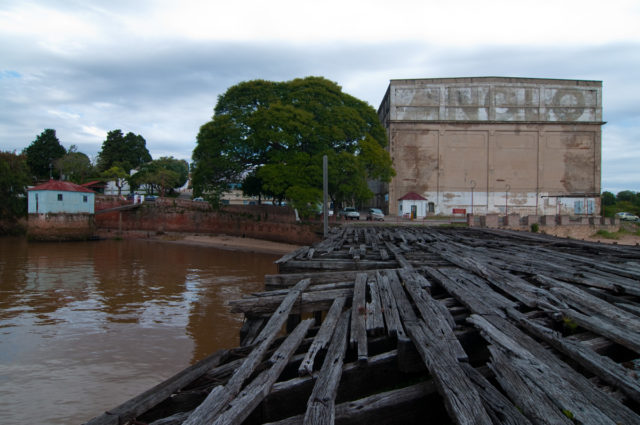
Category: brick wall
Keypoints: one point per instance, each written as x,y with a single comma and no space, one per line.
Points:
176,215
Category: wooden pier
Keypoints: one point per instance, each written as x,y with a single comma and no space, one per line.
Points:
403,325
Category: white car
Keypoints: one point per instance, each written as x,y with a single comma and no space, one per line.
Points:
627,216
350,213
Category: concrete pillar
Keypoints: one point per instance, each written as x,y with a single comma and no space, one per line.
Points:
512,220
548,220
471,220
563,219
491,220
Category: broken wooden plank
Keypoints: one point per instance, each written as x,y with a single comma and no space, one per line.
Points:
323,337
220,396
321,404
250,397
358,317
375,319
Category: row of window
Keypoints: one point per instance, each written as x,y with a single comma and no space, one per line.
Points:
85,198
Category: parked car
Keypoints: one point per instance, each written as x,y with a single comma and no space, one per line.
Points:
350,213
150,198
626,216
198,199
375,214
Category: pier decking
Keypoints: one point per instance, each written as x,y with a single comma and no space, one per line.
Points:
390,325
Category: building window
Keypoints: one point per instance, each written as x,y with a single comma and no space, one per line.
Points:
84,198
59,196
432,207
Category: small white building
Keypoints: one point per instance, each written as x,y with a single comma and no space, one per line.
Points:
60,211
412,206
60,197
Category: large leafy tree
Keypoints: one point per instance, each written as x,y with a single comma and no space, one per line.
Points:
14,179
161,175
75,166
275,133
125,151
42,154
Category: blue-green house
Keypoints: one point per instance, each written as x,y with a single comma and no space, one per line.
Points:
56,197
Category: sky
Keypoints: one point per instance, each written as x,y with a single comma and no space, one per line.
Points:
156,67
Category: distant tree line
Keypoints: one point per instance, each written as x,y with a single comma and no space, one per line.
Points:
625,200
45,158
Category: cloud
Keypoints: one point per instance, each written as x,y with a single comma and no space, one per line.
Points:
156,68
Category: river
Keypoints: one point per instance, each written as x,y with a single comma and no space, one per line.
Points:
85,326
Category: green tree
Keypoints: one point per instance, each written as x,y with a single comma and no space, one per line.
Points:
625,195
125,151
608,198
118,175
74,166
42,153
14,179
278,132
161,175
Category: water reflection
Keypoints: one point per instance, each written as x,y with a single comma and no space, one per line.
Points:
85,326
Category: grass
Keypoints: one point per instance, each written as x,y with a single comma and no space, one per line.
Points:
607,235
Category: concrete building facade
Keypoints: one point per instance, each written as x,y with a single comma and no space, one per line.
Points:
495,145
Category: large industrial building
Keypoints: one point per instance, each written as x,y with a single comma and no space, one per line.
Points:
494,145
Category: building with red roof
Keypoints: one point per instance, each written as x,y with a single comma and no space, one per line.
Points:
57,196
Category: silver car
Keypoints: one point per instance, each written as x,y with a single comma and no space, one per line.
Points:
626,216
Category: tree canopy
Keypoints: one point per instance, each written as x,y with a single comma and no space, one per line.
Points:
275,134
42,153
125,151
161,175
75,166
14,179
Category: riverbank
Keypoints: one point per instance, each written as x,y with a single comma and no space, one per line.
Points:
229,243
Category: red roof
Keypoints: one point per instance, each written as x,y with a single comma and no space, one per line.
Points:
412,196
94,183
61,186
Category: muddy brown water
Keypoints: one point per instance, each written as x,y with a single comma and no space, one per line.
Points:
85,326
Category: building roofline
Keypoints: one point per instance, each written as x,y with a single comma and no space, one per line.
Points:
485,79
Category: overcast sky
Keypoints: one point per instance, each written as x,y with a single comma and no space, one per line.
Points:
156,68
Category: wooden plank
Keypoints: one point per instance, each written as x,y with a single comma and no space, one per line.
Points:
321,341
220,396
321,404
602,366
308,302
358,318
402,261
375,319
440,356
389,308
300,251
541,371
499,407
240,408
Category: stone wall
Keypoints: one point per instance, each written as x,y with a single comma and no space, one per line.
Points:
175,215
60,227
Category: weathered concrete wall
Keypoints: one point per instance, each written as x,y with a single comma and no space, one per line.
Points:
496,145
60,227
255,221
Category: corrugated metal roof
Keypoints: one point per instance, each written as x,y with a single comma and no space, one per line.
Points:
61,186
412,196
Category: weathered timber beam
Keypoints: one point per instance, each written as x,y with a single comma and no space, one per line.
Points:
240,408
602,366
308,302
358,337
323,337
220,396
321,404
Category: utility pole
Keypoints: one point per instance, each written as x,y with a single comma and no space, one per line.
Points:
325,194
